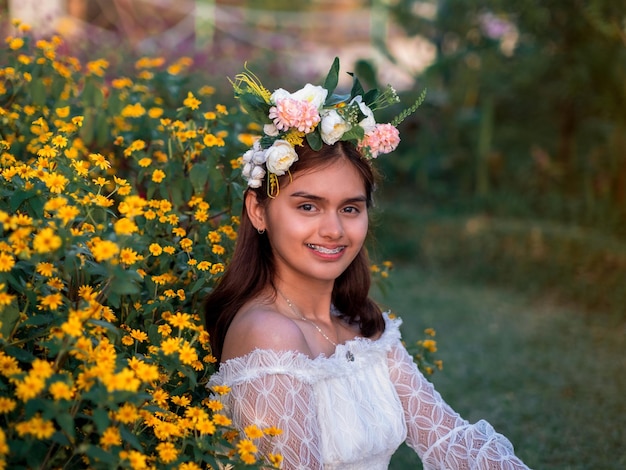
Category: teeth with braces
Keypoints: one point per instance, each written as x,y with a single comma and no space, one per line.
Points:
326,251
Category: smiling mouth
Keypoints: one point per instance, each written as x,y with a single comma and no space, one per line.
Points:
326,251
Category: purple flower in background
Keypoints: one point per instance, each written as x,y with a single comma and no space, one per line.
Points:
495,27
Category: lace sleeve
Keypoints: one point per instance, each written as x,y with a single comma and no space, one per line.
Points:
285,402
441,438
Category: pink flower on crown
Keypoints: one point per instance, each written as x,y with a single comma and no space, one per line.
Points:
384,138
292,113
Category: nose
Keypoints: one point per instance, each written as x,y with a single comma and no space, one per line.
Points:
331,226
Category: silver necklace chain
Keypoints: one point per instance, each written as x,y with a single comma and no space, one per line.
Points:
294,310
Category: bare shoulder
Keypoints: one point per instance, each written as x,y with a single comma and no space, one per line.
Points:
261,327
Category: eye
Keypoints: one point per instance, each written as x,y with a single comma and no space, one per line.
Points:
306,207
351,210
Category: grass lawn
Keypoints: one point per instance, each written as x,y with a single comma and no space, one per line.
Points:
550,378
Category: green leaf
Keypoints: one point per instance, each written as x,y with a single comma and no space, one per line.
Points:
255,106
101,419
365,70
66,422
130,438
100,455
38,92
355,133
357,89
198,177
20,354
315,140
87,131
19,197
332,79
10,315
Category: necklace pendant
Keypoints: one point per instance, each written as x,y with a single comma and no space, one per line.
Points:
350,356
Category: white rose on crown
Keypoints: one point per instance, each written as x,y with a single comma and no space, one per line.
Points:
314,94
279,157
333,126
368,123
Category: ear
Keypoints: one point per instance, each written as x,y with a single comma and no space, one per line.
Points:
256,211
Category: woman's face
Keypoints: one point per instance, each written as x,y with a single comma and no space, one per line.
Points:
318,223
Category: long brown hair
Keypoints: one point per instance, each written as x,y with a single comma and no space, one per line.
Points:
252,267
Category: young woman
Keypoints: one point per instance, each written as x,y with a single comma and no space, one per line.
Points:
300,344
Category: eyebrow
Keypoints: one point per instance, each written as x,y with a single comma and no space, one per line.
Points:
314,197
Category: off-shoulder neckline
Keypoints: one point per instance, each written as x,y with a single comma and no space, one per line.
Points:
389,335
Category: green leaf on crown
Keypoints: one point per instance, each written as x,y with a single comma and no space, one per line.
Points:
332,78
315,140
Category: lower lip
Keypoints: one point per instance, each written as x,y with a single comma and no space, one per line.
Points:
327,256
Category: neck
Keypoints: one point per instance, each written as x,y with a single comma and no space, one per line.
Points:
312,301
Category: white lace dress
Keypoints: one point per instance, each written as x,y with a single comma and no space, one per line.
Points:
352,410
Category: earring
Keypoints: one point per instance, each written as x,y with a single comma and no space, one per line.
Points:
261,231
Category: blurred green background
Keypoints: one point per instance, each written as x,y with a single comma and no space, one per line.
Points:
504,208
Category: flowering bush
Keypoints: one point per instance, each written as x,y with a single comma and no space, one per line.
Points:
116,218
117,210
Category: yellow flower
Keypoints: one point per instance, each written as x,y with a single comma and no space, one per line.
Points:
273,431
253,432
160,397
46,241
6,262
155,249
167,452
181,400
246,446
8,365
59,141
73,326
128,256
137,460
217,268
52,301
221,389
5,299
191,101
187,354
63,112
29,387
211,141
155,113
158,176
47,151
430,345
37,427
100,161
61,391
125,226
55,182
67,213
180,320
170,346
139,335
145,162
204,265
104,249
16,43
7,404
111,437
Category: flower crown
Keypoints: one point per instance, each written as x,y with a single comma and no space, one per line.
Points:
317,114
